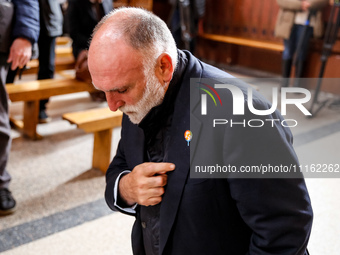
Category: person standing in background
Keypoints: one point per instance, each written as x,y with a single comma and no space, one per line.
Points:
25,32
82,17
51,26
51,23
290,24
186,21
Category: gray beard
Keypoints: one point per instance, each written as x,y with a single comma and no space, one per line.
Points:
153,96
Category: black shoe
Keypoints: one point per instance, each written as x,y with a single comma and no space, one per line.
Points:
7,202
43,117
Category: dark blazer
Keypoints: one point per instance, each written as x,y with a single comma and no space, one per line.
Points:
221,215
81,21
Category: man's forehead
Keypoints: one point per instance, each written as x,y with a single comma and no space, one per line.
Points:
116,68
115,51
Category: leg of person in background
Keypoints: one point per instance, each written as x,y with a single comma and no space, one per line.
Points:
302,54
46,46
11,75
286,67
7,202
287,57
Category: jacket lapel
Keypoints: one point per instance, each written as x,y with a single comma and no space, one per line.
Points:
179,154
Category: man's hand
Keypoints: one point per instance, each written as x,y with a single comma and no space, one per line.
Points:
145,184
20,53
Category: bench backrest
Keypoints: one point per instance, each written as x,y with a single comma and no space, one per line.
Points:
42,89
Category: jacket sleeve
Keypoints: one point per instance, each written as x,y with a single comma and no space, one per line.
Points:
318,4
74,17
26,20
117,166
295,5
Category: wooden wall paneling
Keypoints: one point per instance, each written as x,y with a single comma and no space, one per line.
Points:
120,3
272,21
227,53
146,4
264,19
331,71
208,22
256,10
215,15
226,11
269,61
313,64
217,52
205,50
237,20
247,13
220,15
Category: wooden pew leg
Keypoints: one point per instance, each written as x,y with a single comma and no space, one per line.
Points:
31,115
102,149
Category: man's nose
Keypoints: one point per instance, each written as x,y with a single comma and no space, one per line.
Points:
113,101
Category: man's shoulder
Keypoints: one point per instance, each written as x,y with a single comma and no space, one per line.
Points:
206,70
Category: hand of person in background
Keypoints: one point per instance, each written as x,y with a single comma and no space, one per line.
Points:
305,5
20,53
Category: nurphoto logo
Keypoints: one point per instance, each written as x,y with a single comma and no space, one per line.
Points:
238,99
287,96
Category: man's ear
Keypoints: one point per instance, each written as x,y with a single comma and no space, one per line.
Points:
165,69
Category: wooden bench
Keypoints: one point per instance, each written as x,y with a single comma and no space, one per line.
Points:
63,40
33,91
61,63
100,122
274,46
63,51
64,60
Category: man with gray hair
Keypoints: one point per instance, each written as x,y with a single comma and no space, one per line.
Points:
134,60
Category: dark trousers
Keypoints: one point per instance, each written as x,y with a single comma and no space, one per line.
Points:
46,46
5,128
294,47
291,44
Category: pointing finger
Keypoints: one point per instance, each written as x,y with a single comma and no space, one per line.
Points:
158,168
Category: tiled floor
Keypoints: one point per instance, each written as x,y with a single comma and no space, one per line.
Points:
61,209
